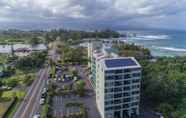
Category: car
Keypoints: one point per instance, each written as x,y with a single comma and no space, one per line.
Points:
44,90
159,114
36,116
42,101
43,95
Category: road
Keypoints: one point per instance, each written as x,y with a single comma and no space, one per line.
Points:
30,104
82,74
90,102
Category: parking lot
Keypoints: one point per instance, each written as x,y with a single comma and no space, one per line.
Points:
59,103
59,108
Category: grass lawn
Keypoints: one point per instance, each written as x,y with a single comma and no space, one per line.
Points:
3,107
13,109
12,93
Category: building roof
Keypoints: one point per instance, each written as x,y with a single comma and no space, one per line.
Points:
121,62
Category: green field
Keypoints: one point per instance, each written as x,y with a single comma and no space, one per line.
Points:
3,107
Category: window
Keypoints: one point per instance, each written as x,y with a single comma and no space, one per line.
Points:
118,77
108,108
109,102
117,107
109,90
136,81
127,82
135,92
117,101
136,69
117,89
127,76
126,94
135,86
125,105
117,95
118,83
126,88
127,70
108,84
136,74
109,77
109,96
126,100
118,71
134,103
109,72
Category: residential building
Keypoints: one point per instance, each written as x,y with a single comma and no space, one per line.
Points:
116,81
118,87
97,51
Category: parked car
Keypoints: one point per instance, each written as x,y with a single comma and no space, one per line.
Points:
42,101
36,116
44,90
43,95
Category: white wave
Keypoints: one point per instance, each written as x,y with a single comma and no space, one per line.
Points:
145,39
172,49
152,37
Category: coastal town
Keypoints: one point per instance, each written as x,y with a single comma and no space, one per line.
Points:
92,59
85,75
68,86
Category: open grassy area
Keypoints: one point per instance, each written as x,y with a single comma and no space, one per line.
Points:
12,40
3,58
3,107
13,109
13,93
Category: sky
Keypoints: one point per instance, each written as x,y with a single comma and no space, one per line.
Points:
93,14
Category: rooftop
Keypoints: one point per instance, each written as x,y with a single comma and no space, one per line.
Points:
121,62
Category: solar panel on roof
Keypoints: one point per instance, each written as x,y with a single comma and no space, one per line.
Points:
113,63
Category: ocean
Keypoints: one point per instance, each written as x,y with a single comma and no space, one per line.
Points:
161,43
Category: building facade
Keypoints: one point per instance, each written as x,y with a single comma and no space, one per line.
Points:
98,50
116,81
118,87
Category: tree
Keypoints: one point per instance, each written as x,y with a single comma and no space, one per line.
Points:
34,41
80,87
166,109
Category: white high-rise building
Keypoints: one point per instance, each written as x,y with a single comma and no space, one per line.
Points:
116,80
118,87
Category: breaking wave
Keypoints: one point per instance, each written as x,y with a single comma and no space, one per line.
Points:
172,49
151,37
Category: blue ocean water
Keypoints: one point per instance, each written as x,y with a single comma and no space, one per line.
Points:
161,43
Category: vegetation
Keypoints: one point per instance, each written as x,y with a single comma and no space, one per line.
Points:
81,114
11,108
31,62
72,55
77,36
164,85
132,50
80,87
34,37
163,81
45,108
18,74
17,36
34,41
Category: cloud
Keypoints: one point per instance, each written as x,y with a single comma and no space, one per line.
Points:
94,12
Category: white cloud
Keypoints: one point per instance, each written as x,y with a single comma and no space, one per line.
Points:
93,10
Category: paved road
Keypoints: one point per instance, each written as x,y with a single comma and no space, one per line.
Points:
30,104
83,75
90,102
